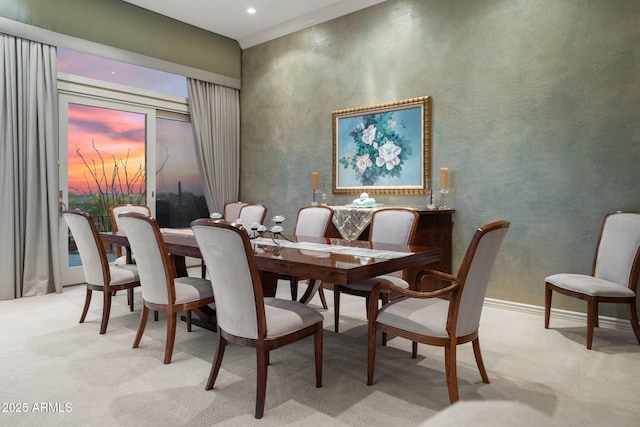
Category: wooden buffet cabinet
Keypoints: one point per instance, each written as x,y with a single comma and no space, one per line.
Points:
434,229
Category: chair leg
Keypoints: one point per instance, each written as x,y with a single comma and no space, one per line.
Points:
479,362
317,345
171,336
451,371
143,324
336,307
261,387
414,349
547,305
188,320
371,351
106,309
217,361
87,301
293,284
323,299
155,315
634,320
592,319
385,300
130,298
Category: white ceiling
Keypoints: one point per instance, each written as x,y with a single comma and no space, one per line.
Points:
273,18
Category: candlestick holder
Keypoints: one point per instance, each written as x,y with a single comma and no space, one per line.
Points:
257,230
314,198
324,201
443,203
277,229
430,201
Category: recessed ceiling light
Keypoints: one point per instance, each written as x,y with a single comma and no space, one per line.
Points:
251,11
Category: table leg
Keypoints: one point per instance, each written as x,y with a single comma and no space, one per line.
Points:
269,283
179,266
312,288
206,318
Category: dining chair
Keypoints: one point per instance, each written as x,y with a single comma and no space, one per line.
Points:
160,290
312,221
98,273
250,214
244,316
614,272
389,225
114,212
446,317
232,210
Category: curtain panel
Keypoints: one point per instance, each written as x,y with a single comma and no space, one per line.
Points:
29,217
215,114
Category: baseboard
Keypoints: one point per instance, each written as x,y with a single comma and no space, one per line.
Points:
604,321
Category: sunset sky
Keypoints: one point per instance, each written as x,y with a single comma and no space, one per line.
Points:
114,133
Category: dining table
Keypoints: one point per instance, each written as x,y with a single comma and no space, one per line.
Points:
321,259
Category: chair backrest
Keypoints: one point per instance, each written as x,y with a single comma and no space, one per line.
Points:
313,221
92,252
116,210
617,256
473,275
232,210
252,213
393,225
235,278
152,257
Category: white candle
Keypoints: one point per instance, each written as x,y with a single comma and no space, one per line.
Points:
444,178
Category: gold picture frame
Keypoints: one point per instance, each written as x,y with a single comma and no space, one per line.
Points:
383,149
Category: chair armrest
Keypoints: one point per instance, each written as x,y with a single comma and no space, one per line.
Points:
375,293
436,274
431,280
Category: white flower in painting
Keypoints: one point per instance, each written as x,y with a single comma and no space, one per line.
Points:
388,155
369,135
363,162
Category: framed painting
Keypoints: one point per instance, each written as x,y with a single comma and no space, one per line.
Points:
383,149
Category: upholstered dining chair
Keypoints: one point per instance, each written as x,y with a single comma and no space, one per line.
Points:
614,273
98,273
312,221
160,290
114,212
244,316
232,210
250,214
390,225
446,317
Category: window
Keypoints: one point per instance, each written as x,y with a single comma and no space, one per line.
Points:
119,122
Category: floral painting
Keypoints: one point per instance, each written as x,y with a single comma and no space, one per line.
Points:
383,148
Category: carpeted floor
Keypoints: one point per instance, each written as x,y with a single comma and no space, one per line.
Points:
55,371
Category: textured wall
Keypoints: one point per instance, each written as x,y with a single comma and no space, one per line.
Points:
536,114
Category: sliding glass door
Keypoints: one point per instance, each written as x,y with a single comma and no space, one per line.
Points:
107,149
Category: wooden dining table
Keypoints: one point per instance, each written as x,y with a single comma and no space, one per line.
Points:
329,260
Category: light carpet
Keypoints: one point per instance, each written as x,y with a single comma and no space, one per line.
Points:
57,372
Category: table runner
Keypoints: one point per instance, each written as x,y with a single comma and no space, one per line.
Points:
336,249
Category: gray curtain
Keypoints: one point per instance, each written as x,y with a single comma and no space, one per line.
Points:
215,114
29,264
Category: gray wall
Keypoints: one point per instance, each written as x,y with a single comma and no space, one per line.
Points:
536,114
